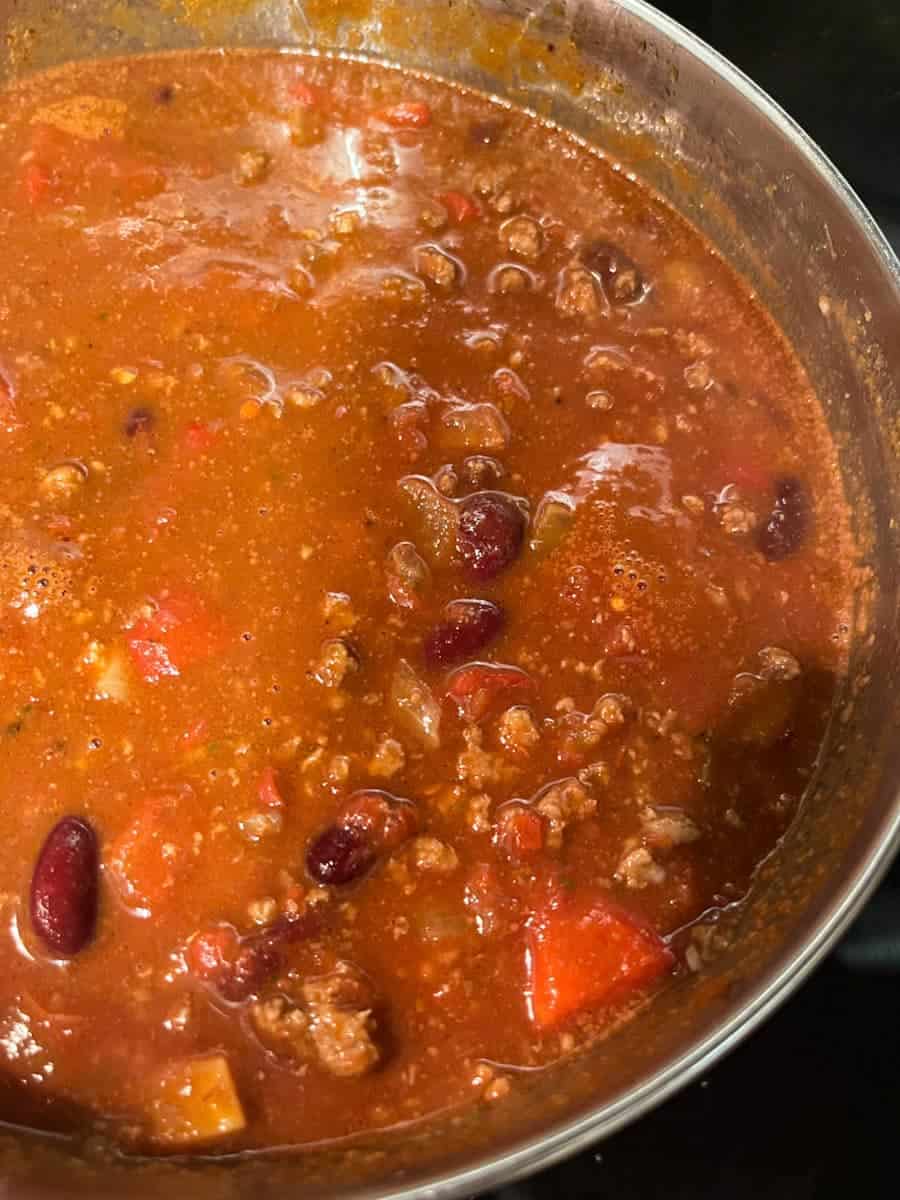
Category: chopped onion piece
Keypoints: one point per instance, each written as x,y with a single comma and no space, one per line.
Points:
553,520
415,707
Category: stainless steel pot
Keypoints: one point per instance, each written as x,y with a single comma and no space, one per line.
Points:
670,109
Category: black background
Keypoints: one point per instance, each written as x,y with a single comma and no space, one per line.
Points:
809,1107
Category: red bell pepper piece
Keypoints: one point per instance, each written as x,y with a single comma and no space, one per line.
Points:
37,183
153,853
268,791
408,114
200,436
178,633
305,93
583,952
478,688
461,207
518,832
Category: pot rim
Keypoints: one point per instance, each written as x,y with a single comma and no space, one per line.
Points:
794,963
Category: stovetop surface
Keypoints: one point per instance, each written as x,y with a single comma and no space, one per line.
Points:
808,1107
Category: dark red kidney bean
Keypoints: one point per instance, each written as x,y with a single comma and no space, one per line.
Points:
340,854
786,528
490,535
64,887
251,968
622,281
237,967
467,627
486,133
385,820
139,420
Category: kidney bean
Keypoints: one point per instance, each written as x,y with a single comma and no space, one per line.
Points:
139,420
622,281
238,967
518,831
486,133
490,534
385,820
468,625
64,887
786,528
340,854
479,687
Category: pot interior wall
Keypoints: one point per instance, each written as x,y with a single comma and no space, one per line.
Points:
606,72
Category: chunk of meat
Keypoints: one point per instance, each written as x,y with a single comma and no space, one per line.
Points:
337,660
494,183
576,293
622,281
330,1022
344,1040
252,166
438,266
580,733
522,236
639,869
388,760
562,803
583,953
475,766
735,514
665,828
476,689
341,1024
282,1027
174,631
518,731
775,663
433,857
508,280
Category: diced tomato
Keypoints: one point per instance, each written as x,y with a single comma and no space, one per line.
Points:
151,659
492,906
269,793
155,851
583,952
210,951
194,735
386,820
37,183
9,417
113,170
308,96
239,966
518,832
200,436
178,633
408,114
740,470
460,206
478,688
